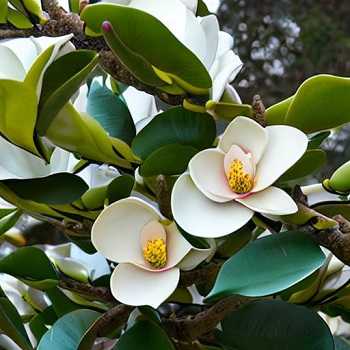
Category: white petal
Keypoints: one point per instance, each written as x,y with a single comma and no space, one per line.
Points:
60,160
116,232
202,217
247,134
272,200
16,56
191,5
194,258
81,101
223,71
151,231
285,147
210,27
98,175
208,173
236,153
232,93
225,43
134,286
141,105
179,20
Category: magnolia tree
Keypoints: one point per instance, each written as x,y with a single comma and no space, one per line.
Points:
189,217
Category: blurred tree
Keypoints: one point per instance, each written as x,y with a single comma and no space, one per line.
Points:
284,42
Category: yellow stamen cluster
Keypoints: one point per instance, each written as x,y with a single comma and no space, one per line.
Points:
155,253
238,179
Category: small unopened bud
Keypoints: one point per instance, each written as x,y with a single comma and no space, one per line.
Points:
340,180
106,26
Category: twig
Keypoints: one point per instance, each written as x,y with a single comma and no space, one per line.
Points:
205,273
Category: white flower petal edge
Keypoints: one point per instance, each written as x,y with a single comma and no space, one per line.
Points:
134,286
116,232
247,134
272,201
202,217
286,145
207,172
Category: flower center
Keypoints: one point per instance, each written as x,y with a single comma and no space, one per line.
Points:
238,180
154,252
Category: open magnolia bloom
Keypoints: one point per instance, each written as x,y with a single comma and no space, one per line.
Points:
226,185
201,35
149,251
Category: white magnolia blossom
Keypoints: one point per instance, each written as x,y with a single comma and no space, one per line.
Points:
226,185
201,35
149,250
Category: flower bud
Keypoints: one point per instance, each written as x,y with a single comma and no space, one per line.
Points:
340,180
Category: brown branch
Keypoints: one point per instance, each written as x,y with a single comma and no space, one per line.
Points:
86,290
258,110
190,328
203,274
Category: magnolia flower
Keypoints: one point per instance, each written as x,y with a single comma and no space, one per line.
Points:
226,185
150,252
201,35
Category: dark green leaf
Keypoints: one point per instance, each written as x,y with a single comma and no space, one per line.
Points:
268,265
39,323
175,126
275,325
11,323
61,80
60,188
120,188
311,161
341,343
145,335
9,220
202,9
66,333
168,160
316,140
111,112
146,36
31,265
60,302
332,208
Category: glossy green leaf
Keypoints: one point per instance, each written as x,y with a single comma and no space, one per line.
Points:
18,100
18,19
61,80
147,39
202,9
268,265
82,134
66,333
275,325
40,269
332,208
3,11
11,323
229,111
111,112
40,323
60,188
145,335
175,126
61,304
320,103
317,140
311,161
120,188
9,220
168,160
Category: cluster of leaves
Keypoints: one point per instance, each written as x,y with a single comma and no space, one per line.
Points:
288,271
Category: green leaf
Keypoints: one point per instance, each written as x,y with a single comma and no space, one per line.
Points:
311,161
85,136
152,41
168,160
9,220
60,188
275,325
61,80
145,335
11,323
229,111
120,188
18,100
320,103
316,140
18,19
268,265
175,126
202,9
30,265
60,302
66,333
3,11
40,323
111,112
332,208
